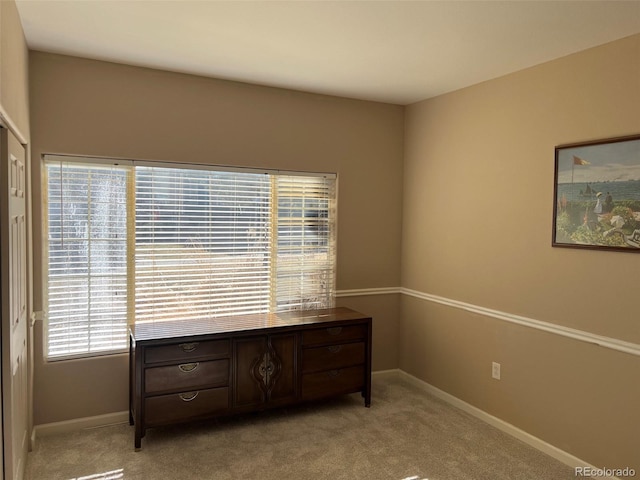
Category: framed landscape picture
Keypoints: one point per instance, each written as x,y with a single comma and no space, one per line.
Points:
597,195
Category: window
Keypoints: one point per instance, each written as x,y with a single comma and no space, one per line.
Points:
87,277
137,242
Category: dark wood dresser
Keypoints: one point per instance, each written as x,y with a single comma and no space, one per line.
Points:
186,371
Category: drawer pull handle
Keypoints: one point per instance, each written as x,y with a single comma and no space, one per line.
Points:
188,397
333,373
188,367
334,330
334,348
188,347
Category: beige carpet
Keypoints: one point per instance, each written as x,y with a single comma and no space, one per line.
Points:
406,434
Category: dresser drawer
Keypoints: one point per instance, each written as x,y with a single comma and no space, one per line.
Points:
332,382
165,409
187,376
332,357
185,351
334,334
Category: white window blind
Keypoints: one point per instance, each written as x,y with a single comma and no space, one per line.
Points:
143,243
305,265
87,276
202,243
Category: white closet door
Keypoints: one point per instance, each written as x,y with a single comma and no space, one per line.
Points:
13,286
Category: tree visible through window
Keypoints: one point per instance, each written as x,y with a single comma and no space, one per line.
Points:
139,243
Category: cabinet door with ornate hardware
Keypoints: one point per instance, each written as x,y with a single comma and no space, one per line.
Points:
264,371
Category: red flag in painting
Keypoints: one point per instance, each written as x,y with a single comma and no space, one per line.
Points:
579,161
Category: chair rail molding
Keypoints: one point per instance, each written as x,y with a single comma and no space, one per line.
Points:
359,292
573,333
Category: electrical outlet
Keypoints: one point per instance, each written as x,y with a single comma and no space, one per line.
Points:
495,370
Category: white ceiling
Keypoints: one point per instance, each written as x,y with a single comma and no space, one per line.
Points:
389,51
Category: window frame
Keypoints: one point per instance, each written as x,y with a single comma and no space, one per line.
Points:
131,235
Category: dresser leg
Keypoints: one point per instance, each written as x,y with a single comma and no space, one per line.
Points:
138,438
366,394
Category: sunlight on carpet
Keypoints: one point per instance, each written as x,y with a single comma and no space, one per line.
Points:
112,475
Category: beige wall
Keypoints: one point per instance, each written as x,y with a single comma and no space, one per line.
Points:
477,216
96,108
14,63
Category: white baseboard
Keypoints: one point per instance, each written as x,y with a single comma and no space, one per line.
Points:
55,428
385,374
509,429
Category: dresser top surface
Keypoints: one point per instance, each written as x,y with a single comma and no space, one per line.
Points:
240,323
